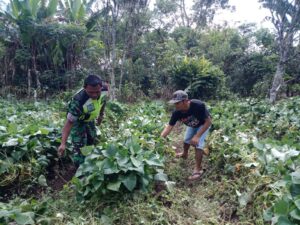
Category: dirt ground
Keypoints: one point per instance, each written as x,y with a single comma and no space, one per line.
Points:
56,177
60,175
204,208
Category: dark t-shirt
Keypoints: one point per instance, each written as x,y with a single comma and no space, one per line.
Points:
194,117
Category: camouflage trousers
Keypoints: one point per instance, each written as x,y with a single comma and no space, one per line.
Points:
82,134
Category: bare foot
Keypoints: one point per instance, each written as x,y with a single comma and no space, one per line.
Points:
181,155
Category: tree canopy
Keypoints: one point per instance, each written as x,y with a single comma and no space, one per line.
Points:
49,45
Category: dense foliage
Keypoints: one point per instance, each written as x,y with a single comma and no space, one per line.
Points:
257,145
199,77
145,51
28,142
130,159
253,168
48,46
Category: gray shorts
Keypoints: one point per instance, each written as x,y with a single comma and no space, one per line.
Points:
189,134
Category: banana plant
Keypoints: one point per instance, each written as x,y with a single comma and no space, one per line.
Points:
35,10
75,10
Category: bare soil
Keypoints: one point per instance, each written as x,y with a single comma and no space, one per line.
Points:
57,176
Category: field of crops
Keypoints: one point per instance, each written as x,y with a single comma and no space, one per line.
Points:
130,177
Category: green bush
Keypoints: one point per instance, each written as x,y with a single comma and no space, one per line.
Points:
200,77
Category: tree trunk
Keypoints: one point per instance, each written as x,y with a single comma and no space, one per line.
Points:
36,72
28,83
122,70
184,16
5,78
277,82
38,83
13,73
115,12
113,63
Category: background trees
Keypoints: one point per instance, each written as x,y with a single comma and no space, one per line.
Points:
286,20
41,53
49,45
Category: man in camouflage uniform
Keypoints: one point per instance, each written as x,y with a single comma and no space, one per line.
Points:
85,107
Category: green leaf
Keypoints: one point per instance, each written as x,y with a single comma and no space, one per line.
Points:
5,213
110,167
296,177
86,168
281,207
75,5
268,214
295,190
97,184
154,162
52,7
123,162
93,156
87,191
106,220
34,4
258,145
17,155
86,150
135,161
110,152
295,214
81,13
283,220
11,142
25,218
130,181
297,203
12,128
114,186
42,181
277,154
138,169
133,145
2,128
161,177
45,131
145,181
122,158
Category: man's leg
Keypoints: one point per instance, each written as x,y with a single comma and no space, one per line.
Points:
185,152
198,159
197,173
77,157
189,133
79,139
91,133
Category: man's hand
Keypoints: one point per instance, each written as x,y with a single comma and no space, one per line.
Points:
194,141
166,131
61,149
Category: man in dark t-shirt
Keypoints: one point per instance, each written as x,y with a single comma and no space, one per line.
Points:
194,114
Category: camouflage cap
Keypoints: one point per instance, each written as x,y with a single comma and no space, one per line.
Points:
178,96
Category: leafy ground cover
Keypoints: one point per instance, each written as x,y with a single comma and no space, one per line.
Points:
29,136
131,177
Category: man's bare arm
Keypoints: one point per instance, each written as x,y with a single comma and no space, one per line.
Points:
166,131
